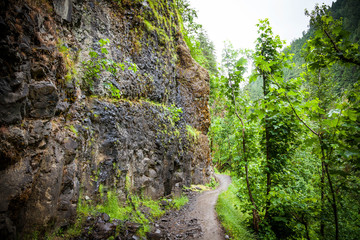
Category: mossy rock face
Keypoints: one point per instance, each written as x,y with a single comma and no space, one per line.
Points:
56,138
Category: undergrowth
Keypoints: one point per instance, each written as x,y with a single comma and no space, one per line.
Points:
213,183
137,209
230,214
180,201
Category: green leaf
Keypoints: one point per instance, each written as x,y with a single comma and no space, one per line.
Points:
93,54
291,93
104,50
352,114
104,42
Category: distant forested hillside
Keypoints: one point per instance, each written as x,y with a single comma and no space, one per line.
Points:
349,10
343,76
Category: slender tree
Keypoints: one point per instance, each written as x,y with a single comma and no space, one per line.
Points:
235,69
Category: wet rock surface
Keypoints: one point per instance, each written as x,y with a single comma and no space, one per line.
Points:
60,139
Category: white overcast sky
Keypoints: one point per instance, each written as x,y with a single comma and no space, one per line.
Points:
235,20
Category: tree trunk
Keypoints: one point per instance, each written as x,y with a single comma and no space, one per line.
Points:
307,231
333,203
267,140
325,169
322,182
256,217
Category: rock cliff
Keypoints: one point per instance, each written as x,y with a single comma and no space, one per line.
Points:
95,92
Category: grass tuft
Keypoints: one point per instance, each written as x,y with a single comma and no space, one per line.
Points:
231,216
113,208
154,206
180,201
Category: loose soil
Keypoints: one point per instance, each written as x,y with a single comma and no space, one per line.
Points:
197,219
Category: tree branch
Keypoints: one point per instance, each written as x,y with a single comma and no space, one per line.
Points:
293,109
341,54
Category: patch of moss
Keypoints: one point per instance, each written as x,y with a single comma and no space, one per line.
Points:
69,60
193,133
73,129
149,26
198,188
162,19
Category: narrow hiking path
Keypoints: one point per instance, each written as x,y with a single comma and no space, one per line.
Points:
198,219
204,209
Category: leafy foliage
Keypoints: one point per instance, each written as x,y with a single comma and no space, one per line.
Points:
341,17
175,113
99,64
330,42
299,166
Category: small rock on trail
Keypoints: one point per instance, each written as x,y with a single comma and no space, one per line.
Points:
197,219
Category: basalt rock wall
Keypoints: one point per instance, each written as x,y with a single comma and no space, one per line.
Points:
65,131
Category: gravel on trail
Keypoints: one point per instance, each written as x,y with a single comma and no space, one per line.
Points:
196,220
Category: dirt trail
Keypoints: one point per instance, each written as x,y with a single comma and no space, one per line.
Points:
204,209
198,219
